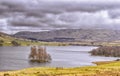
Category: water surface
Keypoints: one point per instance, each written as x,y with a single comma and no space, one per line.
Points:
14,58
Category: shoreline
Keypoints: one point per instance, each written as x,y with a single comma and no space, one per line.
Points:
104,62
99,70
7,70
96,64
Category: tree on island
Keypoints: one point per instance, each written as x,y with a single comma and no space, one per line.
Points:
39,55
33,54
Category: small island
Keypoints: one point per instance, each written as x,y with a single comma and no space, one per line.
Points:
108,51
39,54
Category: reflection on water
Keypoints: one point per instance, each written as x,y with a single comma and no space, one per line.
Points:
13,58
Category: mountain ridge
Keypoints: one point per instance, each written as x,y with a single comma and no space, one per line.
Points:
72,35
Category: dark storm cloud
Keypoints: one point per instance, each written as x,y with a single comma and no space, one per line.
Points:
47,15
53,7
8,6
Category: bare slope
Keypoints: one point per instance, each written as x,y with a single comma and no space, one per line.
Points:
72,35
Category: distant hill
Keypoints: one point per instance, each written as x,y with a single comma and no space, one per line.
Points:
4,36
8,40
72,35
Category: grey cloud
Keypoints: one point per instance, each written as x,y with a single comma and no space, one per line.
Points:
59,15
11,6
114,13
85,6
54,7
24,21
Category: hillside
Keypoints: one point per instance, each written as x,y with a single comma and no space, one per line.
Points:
5,39
8,40
72,35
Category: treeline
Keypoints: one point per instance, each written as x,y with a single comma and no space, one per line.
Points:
113,51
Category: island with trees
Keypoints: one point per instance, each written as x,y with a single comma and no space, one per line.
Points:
39,54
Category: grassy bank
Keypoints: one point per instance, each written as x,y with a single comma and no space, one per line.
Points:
111,69
10,41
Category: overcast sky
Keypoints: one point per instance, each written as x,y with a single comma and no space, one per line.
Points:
42,15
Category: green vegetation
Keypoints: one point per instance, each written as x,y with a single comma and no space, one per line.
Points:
109,69
6,40
1,42
15,43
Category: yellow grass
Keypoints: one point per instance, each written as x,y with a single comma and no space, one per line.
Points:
111,69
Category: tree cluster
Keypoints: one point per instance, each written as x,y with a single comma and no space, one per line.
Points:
113,51
39,54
